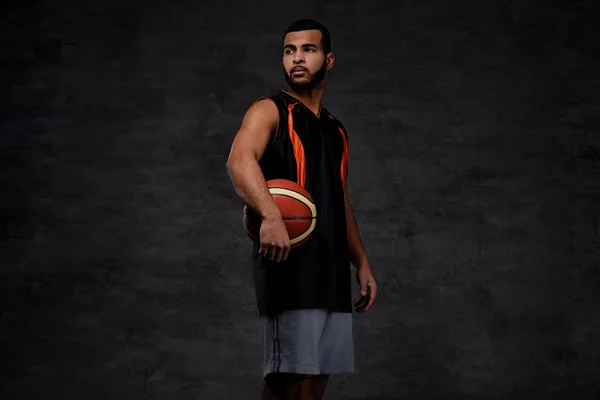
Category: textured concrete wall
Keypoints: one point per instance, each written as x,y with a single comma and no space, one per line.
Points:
474,170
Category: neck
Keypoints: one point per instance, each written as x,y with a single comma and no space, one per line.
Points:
312,98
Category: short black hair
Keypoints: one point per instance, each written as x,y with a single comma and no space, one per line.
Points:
306,24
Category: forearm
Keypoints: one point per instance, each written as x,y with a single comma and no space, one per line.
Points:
249,183
358,256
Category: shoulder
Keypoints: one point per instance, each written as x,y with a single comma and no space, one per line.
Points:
262,112
274,99
267,103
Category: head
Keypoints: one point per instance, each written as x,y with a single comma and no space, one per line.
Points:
307,54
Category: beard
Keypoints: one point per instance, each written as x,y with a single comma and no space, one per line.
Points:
314,79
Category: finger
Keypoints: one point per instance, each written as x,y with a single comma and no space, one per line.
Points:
273,252
269,252
278,253
360,305
286,251
373,296
363,287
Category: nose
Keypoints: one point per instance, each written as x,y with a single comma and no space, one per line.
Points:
298,58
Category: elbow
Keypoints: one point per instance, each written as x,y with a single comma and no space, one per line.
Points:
238,162
230,168
230,163
233,168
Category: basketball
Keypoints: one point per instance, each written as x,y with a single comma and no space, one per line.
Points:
297,209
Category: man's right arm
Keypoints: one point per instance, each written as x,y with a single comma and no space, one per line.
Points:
248,146
247,149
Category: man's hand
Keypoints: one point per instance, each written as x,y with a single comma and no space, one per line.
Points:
274,239
365,280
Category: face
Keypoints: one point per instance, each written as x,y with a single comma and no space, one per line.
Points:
304,60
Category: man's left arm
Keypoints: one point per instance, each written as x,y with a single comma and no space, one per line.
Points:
358,255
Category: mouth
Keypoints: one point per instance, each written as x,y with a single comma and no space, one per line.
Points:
298,71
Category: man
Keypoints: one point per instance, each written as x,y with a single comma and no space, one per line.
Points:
303,295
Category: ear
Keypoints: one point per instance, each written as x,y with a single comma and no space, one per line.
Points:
330,60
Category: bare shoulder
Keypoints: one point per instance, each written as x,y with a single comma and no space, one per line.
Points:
259,123
263,114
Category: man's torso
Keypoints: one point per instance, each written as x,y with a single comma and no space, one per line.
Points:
312,151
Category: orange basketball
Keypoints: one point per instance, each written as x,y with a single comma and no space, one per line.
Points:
297,209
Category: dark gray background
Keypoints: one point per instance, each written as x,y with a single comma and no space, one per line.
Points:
474,176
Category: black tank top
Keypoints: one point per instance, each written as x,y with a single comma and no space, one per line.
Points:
312,151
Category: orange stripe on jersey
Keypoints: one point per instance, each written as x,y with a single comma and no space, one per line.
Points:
298,149
344,168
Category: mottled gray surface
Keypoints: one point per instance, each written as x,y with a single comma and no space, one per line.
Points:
475,158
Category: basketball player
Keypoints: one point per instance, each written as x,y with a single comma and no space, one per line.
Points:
304,295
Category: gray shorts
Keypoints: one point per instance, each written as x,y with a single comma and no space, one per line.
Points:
308,342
